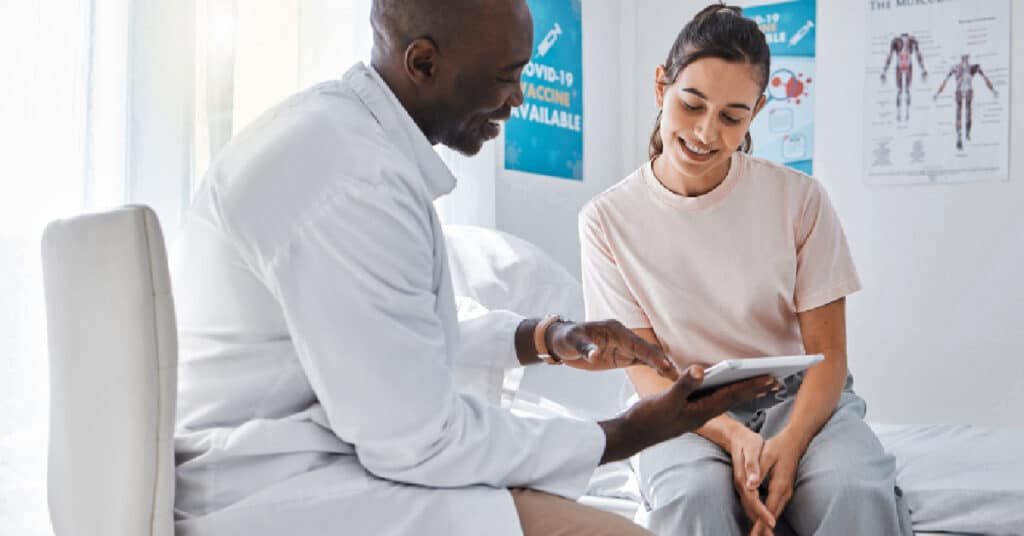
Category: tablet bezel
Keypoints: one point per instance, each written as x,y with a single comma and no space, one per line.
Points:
734,370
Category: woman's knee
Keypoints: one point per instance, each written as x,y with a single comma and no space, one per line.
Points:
705,505
694,487
853,486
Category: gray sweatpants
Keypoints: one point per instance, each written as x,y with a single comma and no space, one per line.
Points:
845,483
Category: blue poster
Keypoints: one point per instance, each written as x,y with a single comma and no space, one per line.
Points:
545,134
784,130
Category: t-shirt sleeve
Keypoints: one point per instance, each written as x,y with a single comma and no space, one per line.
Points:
605,292
824,268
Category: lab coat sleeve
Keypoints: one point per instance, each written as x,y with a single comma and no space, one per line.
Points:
358,286
487,350
488,337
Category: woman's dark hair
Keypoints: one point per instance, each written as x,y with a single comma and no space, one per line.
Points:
718,31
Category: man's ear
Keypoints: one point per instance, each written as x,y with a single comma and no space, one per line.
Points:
659,85
421,61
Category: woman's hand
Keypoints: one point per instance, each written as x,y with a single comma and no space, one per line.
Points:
779,460
746,447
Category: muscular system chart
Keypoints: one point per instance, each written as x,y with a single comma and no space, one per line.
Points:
936,91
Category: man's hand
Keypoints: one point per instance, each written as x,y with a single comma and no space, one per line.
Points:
604,345
672,413
780,458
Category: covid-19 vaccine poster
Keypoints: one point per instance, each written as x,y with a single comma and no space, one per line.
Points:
784,130
545,134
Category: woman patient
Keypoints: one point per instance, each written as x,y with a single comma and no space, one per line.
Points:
714,254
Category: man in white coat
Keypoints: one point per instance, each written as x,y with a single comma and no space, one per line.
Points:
318,326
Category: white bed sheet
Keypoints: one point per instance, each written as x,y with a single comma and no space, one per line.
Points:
955,478
958,480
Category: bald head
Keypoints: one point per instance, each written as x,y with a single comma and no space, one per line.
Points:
453,64
396,23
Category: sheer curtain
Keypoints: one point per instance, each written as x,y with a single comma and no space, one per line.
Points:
254,53
111,101
56,161
259,51
94,114
104,102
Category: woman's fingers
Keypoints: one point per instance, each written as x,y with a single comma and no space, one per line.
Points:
750,498
756,510
753,468
739,468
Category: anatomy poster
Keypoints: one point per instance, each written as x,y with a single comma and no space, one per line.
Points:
784,130
936,91
545,134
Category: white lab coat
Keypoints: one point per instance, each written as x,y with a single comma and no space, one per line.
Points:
319,337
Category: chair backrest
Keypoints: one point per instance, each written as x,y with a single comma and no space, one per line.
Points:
113,371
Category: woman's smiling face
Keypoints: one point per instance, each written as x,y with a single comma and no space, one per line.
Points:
706,113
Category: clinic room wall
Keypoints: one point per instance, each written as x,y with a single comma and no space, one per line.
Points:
543,210
936,334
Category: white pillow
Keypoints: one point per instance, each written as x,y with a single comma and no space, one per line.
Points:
501,271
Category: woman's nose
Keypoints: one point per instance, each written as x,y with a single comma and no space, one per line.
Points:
705,130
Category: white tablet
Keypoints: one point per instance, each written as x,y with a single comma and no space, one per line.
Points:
734,370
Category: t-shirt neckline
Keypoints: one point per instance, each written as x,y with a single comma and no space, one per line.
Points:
701,202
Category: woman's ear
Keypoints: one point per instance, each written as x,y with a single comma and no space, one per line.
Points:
659,85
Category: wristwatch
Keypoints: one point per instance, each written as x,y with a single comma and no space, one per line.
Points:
540,342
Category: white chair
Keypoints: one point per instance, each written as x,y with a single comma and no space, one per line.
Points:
113,367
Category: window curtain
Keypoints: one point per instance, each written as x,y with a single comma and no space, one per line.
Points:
254,53
112,101
62,137
95,97
257,52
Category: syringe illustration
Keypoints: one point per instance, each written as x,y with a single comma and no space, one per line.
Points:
549,40
801,33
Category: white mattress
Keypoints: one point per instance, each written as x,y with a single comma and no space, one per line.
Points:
967,479
956,479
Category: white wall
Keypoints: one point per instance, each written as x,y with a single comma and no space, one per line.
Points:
938,333
937,336
543,210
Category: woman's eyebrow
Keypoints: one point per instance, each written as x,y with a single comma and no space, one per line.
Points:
698,93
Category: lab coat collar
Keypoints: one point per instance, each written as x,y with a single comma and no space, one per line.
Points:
384,105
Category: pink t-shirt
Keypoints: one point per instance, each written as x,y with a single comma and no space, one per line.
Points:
721,275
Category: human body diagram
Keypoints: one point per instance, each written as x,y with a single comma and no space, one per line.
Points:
963,75
902,46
